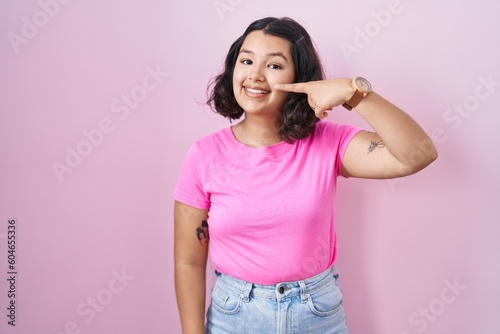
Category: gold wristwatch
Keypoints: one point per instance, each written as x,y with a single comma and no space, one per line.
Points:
362,88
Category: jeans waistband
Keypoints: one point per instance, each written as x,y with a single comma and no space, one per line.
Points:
282,290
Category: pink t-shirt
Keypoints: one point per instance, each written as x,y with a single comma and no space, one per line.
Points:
271,209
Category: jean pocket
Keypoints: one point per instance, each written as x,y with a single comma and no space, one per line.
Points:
327,300
225,300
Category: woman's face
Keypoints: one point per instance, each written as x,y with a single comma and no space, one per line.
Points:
263,61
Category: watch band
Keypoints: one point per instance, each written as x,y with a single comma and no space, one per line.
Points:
359,93
354,100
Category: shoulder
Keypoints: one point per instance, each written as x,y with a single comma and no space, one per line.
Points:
210,145
336,130
334,137
204,151
213,139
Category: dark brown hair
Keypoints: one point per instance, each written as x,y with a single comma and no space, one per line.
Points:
298,119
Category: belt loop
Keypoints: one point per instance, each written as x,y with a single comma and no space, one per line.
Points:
336,272
304,295
246,294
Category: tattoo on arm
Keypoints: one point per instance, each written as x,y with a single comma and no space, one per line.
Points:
375,144
202,233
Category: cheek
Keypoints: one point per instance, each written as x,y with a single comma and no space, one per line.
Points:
285,78
281,97
235,85
239,72
238,78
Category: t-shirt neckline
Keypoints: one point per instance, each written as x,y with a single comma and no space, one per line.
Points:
269,149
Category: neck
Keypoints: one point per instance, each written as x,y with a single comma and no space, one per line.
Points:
256,132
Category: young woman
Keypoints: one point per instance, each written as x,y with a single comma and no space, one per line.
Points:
261,193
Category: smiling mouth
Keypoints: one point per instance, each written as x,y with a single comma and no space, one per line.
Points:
257,91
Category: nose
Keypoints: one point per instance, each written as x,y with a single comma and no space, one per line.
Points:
256,74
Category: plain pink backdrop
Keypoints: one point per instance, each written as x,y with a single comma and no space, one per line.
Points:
122,82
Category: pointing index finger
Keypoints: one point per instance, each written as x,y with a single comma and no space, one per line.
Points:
294,88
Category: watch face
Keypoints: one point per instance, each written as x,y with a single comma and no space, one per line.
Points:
363,84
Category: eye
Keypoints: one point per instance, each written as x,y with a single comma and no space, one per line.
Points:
246,62
275,66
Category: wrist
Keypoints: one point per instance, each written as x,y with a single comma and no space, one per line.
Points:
360,88
348,89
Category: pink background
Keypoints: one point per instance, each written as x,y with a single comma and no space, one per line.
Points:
66,70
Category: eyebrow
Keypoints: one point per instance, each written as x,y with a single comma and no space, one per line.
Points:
272,54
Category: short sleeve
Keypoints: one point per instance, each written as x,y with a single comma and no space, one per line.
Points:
338,137
189,189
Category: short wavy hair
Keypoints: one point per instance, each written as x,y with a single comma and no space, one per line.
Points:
297,121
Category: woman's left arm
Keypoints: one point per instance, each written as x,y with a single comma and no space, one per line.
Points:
398,147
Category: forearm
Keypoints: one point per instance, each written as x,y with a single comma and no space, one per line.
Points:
190,281
400,134
407,148
190,258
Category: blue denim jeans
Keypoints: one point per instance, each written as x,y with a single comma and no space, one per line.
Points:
313,305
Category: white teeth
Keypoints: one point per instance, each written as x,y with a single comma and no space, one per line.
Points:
257,91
